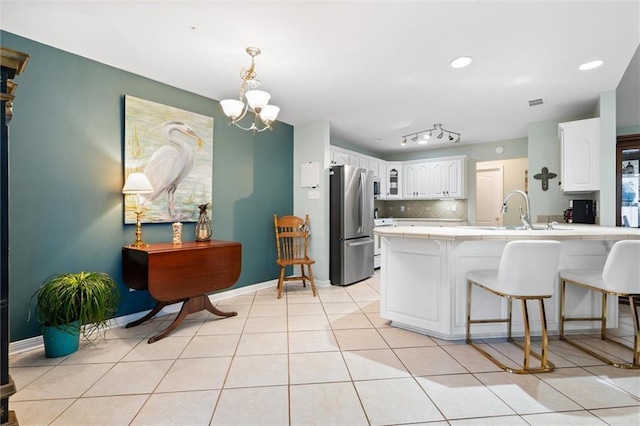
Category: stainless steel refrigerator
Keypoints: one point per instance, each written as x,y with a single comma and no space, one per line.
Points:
351,224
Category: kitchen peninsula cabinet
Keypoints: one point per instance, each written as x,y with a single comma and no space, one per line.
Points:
423,285
580,155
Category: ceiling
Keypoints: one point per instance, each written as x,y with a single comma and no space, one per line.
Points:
377,70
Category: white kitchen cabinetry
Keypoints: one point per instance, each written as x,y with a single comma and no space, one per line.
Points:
393,180
382,176
339,158
377,168
447,178
363,162
580,155
354,161
415,180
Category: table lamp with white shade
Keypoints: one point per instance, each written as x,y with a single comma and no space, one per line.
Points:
137,183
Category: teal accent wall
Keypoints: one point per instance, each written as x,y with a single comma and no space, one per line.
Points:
66,177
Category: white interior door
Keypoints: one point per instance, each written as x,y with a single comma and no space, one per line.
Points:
489,196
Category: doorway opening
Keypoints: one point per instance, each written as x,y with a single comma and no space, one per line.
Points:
628,181
494,179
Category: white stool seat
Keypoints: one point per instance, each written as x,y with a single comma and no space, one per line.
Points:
527,270
488,277
620,277
591,277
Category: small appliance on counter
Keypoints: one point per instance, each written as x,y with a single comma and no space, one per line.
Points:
568,216
581,211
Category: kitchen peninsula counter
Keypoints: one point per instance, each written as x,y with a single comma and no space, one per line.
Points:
423,276
475,233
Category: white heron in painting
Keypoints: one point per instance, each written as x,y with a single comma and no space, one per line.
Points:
171,163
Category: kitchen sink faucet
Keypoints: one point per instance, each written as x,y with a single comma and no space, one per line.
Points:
525,218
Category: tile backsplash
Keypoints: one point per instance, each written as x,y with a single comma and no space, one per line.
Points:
427,209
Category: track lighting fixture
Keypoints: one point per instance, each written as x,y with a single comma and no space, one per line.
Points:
453,136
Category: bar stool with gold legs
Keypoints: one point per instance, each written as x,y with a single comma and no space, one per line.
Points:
619,277
527,271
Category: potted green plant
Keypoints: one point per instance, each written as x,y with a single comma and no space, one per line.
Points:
71,304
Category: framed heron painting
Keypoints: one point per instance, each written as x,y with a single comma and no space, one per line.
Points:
174,149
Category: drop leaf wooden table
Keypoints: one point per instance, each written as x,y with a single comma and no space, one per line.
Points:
187,273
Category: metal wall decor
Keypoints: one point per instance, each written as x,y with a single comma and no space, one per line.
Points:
544,176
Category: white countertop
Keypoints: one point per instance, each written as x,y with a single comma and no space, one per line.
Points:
426,219
570,231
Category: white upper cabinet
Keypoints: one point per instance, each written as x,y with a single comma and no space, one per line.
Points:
339,157
580,155
382,176
372,165
394,180
415,180
363,162
447,179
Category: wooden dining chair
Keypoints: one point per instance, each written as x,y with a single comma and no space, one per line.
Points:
292,244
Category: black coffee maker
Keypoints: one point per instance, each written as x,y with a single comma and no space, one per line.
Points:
582,211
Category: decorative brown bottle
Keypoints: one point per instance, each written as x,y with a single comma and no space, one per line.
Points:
203,226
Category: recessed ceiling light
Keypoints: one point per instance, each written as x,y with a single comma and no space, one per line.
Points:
590,65
461,62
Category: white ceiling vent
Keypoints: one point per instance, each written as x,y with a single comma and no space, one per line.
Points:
535,102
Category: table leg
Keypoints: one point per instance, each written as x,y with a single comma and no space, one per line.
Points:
184,311
209,307
189,306
150,315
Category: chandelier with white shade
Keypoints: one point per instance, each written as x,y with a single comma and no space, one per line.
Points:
257,100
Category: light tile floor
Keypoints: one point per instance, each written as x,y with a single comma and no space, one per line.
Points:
300,360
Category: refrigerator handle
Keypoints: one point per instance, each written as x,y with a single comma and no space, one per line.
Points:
360,243
361,188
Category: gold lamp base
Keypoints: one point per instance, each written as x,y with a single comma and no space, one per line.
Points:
138,242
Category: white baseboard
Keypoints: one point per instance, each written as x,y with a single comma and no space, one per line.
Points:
37,342
320,283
